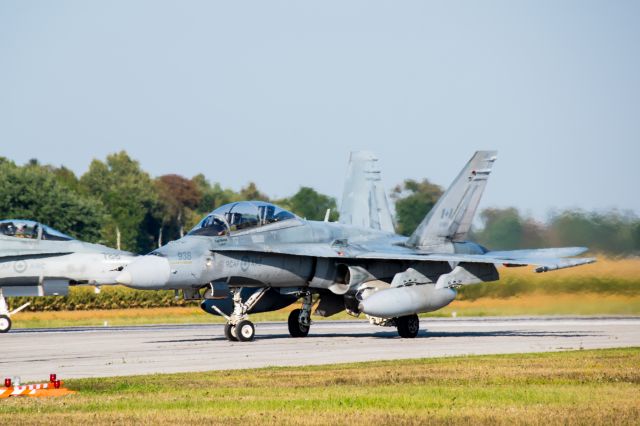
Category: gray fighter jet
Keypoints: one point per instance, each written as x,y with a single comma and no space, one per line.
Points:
36,260
253,256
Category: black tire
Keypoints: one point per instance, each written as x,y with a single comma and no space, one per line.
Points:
229,332
295,328
408,326
245,331
5,323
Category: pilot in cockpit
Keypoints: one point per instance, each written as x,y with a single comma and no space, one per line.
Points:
8,229
21,231
266,213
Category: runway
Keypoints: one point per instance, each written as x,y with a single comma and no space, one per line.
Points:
114,351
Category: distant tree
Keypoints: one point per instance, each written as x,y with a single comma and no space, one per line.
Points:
636,237
64,175
213,196
251,192
310,204
34,192
502,228
130,197
178,196
67,178
506,229
612,232
413,200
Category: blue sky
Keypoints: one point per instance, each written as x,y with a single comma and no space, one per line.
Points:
279,92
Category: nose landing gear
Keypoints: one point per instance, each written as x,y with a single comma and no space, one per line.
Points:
5,314
238,327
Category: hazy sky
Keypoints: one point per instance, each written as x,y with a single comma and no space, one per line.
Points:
279,92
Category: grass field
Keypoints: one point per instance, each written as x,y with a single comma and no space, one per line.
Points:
578,387
606,276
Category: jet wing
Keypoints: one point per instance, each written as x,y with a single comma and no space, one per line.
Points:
543,264
545,259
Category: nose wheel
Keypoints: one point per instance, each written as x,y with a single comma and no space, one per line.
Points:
245,331
5,314
230,332
5,323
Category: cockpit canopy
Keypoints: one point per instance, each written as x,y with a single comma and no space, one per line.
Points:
240,216
29,229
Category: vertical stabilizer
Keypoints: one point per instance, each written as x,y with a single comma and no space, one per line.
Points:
450,219
364,201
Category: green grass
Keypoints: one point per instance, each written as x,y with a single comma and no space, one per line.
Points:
578,387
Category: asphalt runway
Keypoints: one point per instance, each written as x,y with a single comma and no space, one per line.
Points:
75,352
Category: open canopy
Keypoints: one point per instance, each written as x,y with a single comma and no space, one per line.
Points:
30,229
240,216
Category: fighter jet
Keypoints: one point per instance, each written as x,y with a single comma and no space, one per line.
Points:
36,260
252,256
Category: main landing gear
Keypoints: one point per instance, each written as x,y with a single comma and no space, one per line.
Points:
300,319
5,314
238,327
408,326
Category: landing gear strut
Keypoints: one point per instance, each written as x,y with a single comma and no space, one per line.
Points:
5,314
408,326
238,326
300,319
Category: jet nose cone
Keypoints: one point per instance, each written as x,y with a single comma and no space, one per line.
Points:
146,272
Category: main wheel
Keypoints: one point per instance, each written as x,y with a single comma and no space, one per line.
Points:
245,331
295,328
408,326
230,332
5,323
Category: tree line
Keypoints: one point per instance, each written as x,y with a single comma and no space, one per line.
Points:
117,203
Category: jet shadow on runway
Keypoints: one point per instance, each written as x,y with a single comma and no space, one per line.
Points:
424,334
